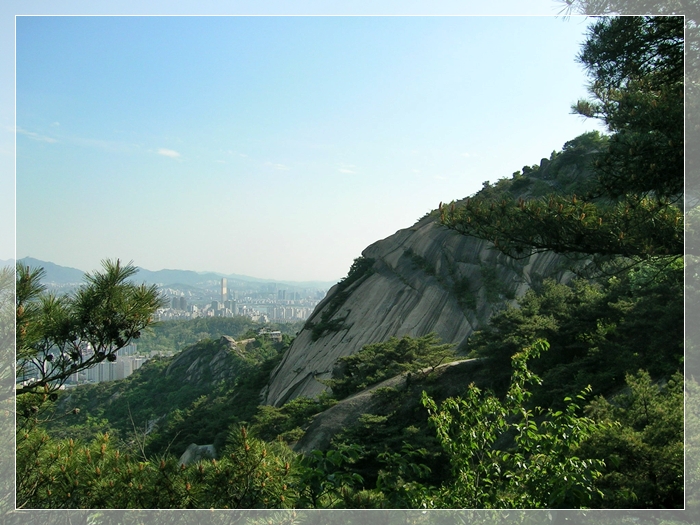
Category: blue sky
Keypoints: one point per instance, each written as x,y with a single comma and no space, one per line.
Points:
277,147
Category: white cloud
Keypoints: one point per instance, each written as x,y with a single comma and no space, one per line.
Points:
36,136
347,168
466,155
168,153
231,152
280,167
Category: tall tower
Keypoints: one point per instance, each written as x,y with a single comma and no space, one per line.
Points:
224,291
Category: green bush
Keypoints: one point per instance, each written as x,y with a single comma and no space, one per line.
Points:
380,361
69,474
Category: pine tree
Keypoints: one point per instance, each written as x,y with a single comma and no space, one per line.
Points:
58,336
636,67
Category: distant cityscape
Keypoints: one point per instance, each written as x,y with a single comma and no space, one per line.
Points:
127,362
189,297
271,304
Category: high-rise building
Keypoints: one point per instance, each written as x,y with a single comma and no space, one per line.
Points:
224,291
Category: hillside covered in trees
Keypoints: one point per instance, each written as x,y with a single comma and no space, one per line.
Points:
562,387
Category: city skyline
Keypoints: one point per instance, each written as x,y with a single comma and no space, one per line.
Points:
274,147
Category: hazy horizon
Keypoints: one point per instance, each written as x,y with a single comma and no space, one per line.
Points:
274,147
229,275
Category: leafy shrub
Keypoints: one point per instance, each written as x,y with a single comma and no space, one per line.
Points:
380,361
645,448
69,474
270,422
541,468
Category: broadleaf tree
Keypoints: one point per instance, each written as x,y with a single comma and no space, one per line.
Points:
539,469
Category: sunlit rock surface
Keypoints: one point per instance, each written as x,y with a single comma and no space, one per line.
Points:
424,279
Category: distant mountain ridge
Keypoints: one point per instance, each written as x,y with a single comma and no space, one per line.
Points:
55,273
58,274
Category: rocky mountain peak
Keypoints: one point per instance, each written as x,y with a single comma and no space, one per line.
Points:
422,279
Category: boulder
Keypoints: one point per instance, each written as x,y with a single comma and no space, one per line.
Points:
195,453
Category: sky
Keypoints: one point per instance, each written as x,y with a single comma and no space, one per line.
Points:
273,146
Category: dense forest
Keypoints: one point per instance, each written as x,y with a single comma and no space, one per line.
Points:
576,397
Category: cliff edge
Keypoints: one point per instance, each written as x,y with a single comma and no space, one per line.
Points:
422,279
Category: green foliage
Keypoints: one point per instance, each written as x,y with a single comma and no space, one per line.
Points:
159,400
639,227
53,332
398,418
108,312
540,188
207,420
501,454
465,293
380,361
459,286
399,481
486,451
168,337
645,446
566,172
142,397
420,262
520,183
598,333
495,288
636,65
68,474
250,474
322,482
539,470
384,439
285,422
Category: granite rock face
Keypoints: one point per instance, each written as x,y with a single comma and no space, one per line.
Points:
196,453
420,280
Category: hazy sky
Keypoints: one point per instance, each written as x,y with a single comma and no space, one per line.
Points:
277,147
